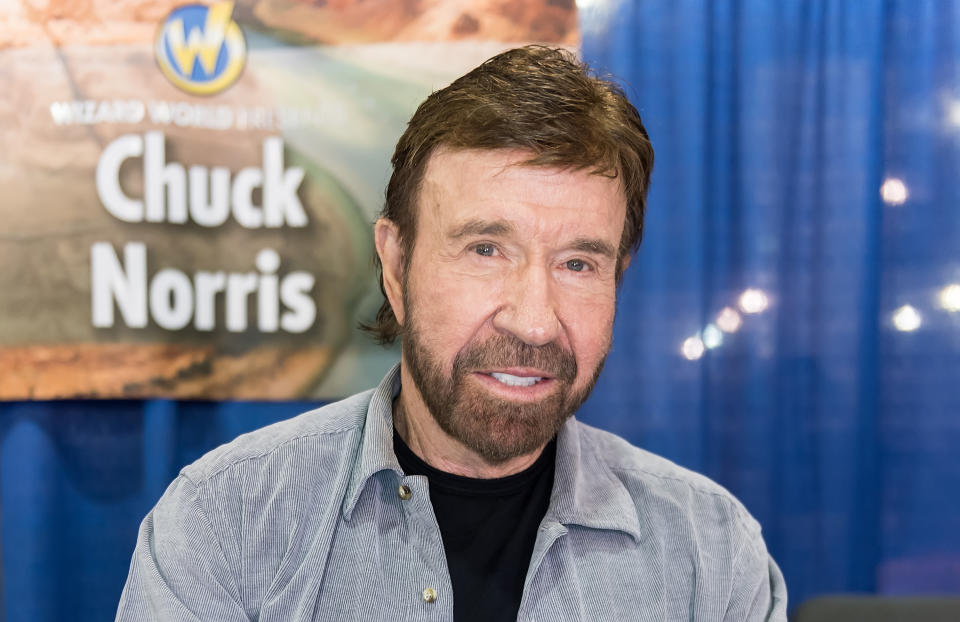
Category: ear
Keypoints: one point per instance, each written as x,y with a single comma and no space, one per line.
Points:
387,239
623,262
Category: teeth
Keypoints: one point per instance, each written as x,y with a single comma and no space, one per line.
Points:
516,381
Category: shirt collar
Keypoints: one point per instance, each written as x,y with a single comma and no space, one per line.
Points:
586,491
376,443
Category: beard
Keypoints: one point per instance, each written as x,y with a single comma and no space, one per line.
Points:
496,429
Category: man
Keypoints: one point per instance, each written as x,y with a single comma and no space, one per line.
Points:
461,488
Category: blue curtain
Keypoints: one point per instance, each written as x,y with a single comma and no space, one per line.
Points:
776,124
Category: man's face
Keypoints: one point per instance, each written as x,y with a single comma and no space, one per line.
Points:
509,296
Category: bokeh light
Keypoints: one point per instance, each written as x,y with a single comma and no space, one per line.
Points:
953,112
712,337
949,298
907,319
728,320
753,301
693,348
893,191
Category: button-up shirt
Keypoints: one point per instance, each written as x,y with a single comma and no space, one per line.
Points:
312,519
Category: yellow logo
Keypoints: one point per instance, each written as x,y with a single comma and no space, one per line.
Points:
200,49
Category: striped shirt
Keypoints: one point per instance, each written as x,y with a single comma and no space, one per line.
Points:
312,519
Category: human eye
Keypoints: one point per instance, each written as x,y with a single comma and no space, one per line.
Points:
485,249
577,265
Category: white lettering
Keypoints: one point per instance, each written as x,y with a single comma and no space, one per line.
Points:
239,287
268,312
185,114
280,202
295,294
212,212
246,213
90,111
159,112
171,299
110,282
212,196
209,284
108,178
157,176
60,113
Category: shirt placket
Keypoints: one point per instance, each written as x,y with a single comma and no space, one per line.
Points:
550,531
430,594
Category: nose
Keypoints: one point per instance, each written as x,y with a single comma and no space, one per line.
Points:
529,309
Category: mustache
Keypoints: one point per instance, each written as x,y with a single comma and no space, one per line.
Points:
509,351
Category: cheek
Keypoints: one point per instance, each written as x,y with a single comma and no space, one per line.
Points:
590,329
449,311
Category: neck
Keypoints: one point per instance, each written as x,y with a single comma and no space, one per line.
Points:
420,431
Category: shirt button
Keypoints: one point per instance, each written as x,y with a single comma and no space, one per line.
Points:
405,493
429,595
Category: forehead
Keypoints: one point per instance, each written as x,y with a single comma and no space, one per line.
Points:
470,184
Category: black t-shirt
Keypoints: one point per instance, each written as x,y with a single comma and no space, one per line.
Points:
488,527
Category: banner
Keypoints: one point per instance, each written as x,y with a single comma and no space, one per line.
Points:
187,190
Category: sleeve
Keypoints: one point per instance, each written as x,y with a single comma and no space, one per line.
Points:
179,571
758,593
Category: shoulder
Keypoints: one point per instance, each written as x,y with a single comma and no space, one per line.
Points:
690,529
677,493
321,429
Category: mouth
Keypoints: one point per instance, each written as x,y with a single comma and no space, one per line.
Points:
517,376
517,383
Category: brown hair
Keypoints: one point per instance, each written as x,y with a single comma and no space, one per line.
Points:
535,98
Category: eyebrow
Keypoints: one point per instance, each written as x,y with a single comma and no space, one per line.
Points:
481,227
594,246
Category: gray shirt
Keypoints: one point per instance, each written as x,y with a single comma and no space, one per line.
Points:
303,520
